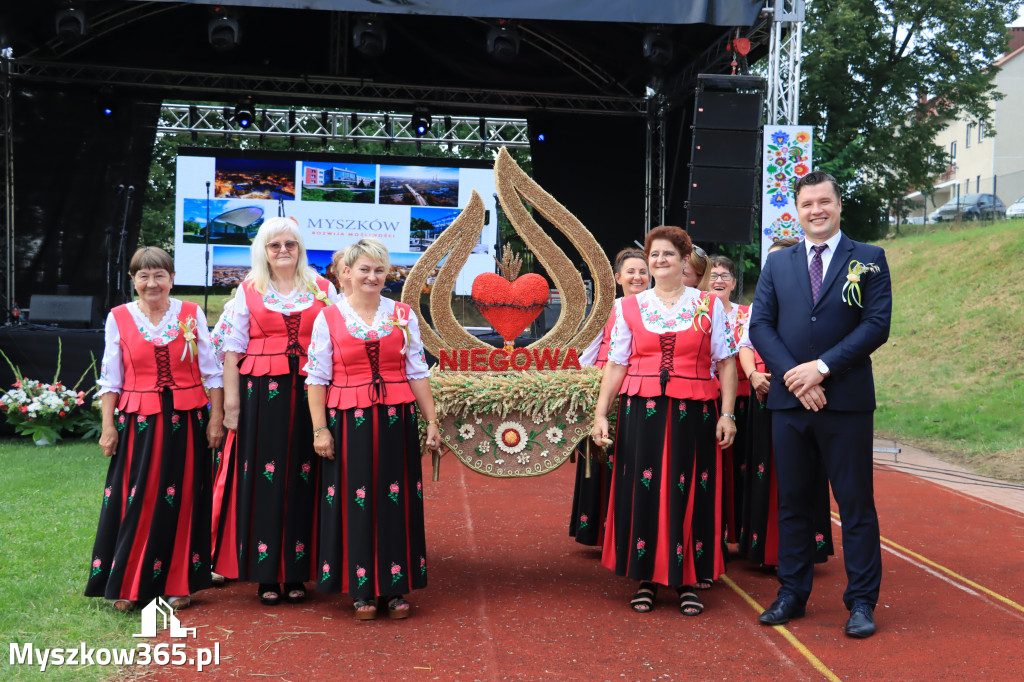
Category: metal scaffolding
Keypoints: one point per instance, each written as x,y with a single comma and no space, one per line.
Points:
7,293
346,92
325,125
784,62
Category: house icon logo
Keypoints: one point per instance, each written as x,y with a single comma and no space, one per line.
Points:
159,610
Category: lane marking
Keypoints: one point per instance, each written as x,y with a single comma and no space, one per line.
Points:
967,581
924,568
781,629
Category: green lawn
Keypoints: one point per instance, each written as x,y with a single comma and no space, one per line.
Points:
951,377
50,503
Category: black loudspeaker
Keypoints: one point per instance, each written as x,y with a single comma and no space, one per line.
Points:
64,311
728,111
721,224
725,148
723,196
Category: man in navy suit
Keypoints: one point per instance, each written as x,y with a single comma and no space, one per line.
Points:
818,349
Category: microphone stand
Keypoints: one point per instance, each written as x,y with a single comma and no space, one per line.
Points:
108,247
121,262
206,271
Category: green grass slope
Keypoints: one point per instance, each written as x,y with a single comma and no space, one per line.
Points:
951,377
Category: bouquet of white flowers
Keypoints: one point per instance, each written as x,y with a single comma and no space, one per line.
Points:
42,411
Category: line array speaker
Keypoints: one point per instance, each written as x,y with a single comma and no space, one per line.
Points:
725,159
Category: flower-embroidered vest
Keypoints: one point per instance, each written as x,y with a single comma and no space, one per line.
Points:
370,372
676,364
150,369
273,336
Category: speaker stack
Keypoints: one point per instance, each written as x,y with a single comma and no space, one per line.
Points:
725,159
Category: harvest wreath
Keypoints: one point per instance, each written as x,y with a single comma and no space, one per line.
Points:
513,412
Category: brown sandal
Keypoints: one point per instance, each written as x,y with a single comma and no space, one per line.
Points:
365,609
397,607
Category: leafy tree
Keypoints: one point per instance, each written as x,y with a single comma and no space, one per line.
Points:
865,64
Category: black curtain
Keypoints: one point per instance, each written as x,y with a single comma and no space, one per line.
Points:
69,159
594,166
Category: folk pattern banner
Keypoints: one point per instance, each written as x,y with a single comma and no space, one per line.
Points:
787,158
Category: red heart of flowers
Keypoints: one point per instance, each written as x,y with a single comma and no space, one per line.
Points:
510,307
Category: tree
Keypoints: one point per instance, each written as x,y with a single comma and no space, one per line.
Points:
882,78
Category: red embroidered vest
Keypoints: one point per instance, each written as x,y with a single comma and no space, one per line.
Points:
676,364
150,369
370,372
606,337
742,318
273,336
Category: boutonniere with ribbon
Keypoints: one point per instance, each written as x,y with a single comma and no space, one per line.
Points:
401,320
851,290
318,293
188,332
702,313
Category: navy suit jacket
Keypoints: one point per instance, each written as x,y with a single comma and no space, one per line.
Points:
787,329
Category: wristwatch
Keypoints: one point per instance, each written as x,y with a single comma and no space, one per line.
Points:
822,368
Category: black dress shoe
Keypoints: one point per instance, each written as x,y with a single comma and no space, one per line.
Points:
862,621
786,606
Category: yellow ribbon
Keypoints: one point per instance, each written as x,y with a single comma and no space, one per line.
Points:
851,290
701,311
318,293
188,332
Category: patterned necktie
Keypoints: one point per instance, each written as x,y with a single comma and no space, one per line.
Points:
816,270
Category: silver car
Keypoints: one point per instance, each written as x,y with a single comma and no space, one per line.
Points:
1016,209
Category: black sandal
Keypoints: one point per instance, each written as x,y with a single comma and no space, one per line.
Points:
294,593
269,594
704,584
397,607
689,603
643,600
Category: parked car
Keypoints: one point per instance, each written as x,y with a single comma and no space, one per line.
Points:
1016,209
972,207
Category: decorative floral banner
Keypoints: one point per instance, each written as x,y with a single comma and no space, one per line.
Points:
787,158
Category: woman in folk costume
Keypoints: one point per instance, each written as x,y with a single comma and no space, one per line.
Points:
367,375
223,482
722,283
758,524
590,496
153,537
664,521
267,535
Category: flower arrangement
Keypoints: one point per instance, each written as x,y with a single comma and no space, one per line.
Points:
43,411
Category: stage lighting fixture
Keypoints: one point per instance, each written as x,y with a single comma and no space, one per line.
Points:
503,41
657,47
421,121
369,36
541,137
244,113
223,31
71,23
107,111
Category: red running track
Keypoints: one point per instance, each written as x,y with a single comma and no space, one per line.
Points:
512,597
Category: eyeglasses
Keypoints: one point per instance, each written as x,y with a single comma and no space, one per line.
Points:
723,276
289,245
699,251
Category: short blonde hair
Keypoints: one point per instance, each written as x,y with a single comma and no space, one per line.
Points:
305,276
701,264
369,247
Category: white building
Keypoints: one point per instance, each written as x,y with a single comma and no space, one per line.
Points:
979,162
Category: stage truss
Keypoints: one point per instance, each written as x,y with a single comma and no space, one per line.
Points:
326,126
784,62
